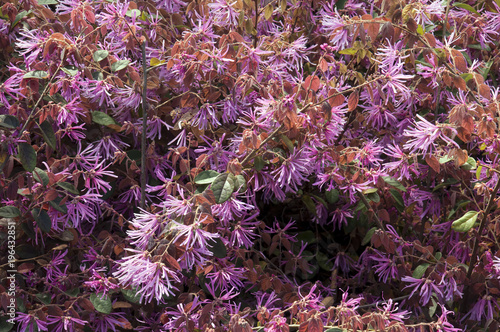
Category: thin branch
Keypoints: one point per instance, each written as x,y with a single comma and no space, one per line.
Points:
144,125
481,229
368,206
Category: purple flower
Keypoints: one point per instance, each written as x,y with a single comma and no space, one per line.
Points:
109,322
386,267
486,307
65,323
226,277
293,171
152,279
424,135
442,323
185,317
223,13
427,288
100,284
30,323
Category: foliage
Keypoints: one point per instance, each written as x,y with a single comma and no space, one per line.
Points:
308,165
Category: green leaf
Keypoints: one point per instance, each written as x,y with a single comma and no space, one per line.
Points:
68,187
335,329
41,74
133,13
44,297
131,295
332,196
217,248
268,11
467,76
42,219
47,2
349,51
466,7
101,302
206,177
433,307
398,199
70,70
287,142
56,204
41,176
27,156
374,197
458,206
119,65
469,164
9,212
478,172
368,236
445,159
395,183
26,251
370,191
134,155
309,203
323,261
48,134
6,326
200,188
97,75
66,236
320,200
258,163
28,229
73,292
420,271
339,4
307,237
8,121
447,182
223,187
100,55
466,222
102,118
19,17
240,183
420,30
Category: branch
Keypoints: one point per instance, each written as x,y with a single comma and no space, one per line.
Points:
144,125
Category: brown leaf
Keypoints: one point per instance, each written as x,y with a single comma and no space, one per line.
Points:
484,91
458,60
121,304
459,83
85,304
25,267
433,163
353,101
412,25
172,261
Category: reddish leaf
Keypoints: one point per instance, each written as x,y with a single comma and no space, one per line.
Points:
433,163
353,101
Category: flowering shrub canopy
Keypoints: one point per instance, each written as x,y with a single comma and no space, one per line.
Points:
265,165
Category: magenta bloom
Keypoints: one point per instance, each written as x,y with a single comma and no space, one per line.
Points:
424,135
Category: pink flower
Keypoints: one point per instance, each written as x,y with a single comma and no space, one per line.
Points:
424,135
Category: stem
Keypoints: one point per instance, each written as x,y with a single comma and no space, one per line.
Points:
481,229
368,206
144,125
255,38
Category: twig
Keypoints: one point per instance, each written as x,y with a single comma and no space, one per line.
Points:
144,125
368,206
481,229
